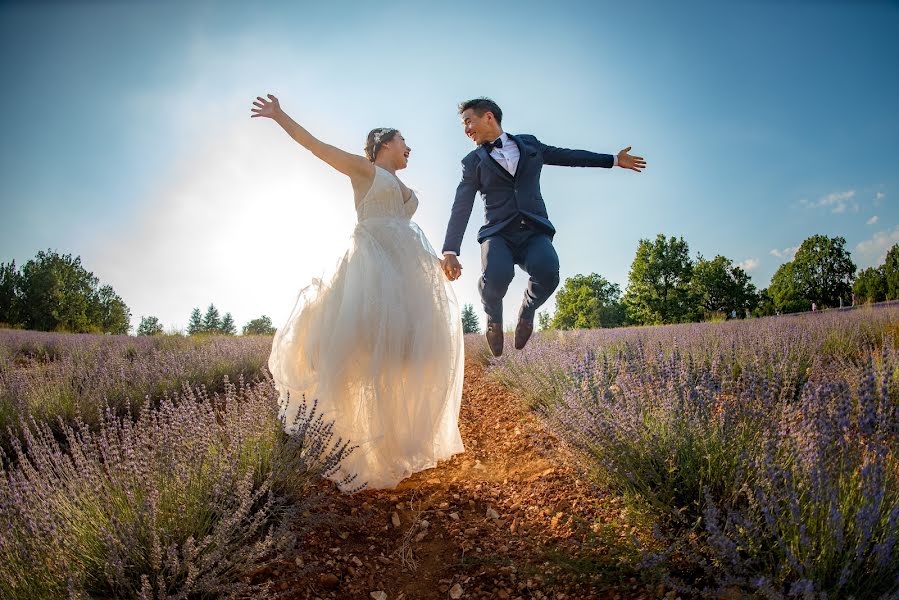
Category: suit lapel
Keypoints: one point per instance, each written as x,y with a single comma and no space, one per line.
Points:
485,157
523,154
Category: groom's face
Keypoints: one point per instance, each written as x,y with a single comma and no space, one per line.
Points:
480,129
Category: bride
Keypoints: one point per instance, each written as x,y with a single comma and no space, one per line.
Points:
380,344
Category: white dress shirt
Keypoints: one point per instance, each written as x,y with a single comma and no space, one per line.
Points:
508,156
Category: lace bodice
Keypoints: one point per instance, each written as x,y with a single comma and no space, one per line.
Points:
385,199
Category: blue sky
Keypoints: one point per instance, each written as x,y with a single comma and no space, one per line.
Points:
126,138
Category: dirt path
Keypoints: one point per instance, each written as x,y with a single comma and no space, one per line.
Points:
507,519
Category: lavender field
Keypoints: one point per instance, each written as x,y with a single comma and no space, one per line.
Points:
49,376
146,467
763,452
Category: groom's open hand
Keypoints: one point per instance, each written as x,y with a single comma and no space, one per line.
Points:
634,163
451,267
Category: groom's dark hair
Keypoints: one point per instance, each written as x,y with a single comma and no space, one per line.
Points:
482,105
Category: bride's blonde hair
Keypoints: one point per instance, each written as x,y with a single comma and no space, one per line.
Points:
377,138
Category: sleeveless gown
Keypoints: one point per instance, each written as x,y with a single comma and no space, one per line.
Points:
379,347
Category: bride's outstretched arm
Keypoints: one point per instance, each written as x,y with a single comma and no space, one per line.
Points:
351,165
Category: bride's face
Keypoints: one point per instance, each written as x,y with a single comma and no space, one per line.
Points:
397,150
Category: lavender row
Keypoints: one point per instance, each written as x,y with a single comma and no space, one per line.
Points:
51,376
766,450
185,500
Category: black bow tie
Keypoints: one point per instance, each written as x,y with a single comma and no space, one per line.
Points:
491,145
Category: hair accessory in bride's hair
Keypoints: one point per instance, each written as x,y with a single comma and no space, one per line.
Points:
378,136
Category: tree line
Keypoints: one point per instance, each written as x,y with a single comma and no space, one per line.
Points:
876,284
210,323
666,285
55,292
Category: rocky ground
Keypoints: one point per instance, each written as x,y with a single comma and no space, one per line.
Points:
509,518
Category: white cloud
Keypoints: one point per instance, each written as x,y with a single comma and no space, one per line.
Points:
837,202
873,220
874,250
749,264
785,253
878,198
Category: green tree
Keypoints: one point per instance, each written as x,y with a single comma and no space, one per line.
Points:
718,285
544,320
470,322
870,285
58,294
227,326
658,288
10,302
891,273
195,325
824,270
110,311
786,291
586,302
149,326
821,272
212,322
765,306
260,326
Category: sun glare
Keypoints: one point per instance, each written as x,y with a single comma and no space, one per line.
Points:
244,223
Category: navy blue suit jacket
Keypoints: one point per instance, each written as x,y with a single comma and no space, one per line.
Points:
507,197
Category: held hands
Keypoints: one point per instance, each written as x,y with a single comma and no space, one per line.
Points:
451,267
270,108
634,163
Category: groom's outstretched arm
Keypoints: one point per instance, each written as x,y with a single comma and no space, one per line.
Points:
567,157
584,158
461,212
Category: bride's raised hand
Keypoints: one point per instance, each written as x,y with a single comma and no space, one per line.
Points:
270,108
356,167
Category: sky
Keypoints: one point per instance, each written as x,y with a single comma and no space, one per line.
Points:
126,138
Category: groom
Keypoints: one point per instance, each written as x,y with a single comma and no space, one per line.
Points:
506,168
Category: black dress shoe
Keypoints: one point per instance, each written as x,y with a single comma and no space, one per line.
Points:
523,332
495,338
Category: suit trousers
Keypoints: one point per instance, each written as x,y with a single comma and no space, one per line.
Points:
525,244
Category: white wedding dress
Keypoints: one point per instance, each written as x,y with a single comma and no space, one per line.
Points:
379,346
